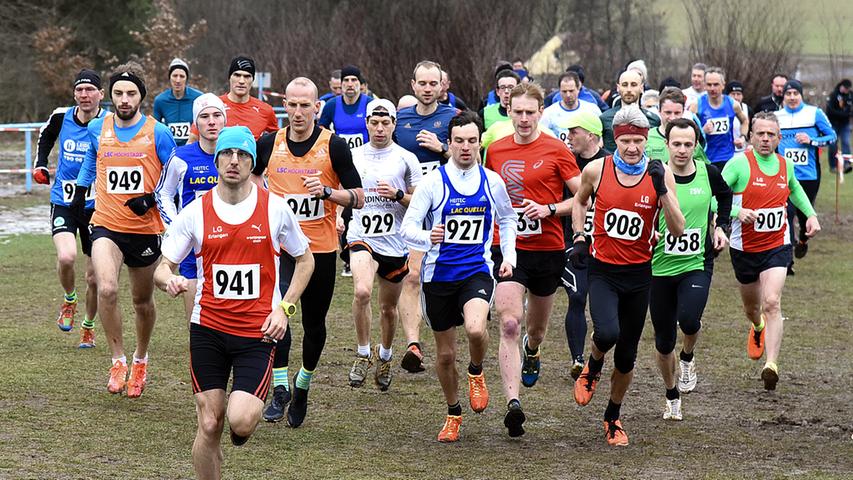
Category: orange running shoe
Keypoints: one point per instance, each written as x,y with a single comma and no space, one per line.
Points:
450,431
755,343
585,385
137,380
65,321
478,393
614,434
118,374
87,338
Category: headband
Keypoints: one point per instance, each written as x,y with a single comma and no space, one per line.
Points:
619,130
127,77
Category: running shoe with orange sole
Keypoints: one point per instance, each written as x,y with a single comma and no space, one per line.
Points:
87,338
65,320
585,385
138,379
755,343
478,393
614,434
450,431
118,377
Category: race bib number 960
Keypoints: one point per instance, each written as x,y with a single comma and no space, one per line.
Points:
427,167
623,224
464,229
525,225
124,180
800,156
378,224
236,282
305,207
770,219
689,243
68,187
353,140
719,125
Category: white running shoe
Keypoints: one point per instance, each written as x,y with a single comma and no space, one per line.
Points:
673,410
687,379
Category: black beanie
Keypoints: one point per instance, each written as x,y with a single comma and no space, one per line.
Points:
245,64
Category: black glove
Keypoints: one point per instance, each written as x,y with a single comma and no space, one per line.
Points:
578,256
78,204
658,174
41,175
140,205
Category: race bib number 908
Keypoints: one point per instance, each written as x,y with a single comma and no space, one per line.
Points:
236,282
689,243
305,207
125,180
466,229
770,219
623,224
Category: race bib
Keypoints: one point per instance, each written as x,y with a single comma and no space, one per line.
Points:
769,219
623,224
124,180
719,125
588,221
68,188
800,156
464,229
689,243
305,207
237,282
378,224
199,193
180,130
353,140
427,167
526,226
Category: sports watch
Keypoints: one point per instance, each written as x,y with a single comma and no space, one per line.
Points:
327,192
399,195
552,208
289,308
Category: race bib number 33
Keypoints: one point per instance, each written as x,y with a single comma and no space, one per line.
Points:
305,207
466,229
236,282
125,180
525,225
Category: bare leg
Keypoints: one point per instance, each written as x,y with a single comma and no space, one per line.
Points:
363,269
142,291
389,297
508,301
772,281
445,364
107,260
207,454
410,304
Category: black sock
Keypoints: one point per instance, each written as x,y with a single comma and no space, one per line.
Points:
474,369
595,366
686,357
529,351
612,411
237,440
455,410
414,343
672,393
515,401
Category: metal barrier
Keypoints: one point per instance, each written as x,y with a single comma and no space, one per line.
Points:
28,150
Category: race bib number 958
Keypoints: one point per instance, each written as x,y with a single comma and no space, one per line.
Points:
124,180
236,282
689,243
464,229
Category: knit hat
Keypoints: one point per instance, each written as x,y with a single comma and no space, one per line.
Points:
208,100
237,137
178,63
351,71
245,64
795,84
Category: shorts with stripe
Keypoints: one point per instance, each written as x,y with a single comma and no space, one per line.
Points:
213,354
393,269
442,302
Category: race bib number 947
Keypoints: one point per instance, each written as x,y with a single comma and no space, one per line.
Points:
305,207
236,282
464,229
623,224
124,180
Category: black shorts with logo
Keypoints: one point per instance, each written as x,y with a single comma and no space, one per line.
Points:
749,265
393,269
139,249
61,221
539,272
442,302
213,354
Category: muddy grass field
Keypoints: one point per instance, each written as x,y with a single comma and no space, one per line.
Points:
58,422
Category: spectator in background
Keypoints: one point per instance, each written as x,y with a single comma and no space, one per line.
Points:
839,109
772,102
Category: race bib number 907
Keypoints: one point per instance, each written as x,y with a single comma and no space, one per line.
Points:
236,282
770,219
689,243
124,180
623,224
305,207
466,229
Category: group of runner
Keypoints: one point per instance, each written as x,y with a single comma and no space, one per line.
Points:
252,216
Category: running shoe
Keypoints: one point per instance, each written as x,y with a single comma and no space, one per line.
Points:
382,376
585,385
346,272
687,379
65,320
577,367
87,338
478,393
118,377
755,342
801,249
529,366
614,434
450,431
275,410
514,419
413,360
673,409
359,370
237,440
298,405
138,379
770,375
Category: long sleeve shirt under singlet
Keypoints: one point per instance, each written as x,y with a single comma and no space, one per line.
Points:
736,174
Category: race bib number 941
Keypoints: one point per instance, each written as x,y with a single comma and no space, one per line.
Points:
305,207
688,243
464,229
770,219
236,282
623,224
124,180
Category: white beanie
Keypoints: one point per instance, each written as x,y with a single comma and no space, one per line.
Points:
208,100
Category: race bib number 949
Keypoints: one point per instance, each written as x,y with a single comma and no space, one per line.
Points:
464,229
623,224
305,207
236,282
770,219
124,180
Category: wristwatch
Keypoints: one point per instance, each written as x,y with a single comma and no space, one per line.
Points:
577,235
552,208
444,148
399,195
327,192
289,308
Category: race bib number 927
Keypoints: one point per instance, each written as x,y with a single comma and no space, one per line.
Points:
466,229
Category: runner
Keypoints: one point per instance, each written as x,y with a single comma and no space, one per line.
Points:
335,88
805,129
125,160
629,191
238,231
682,266
760,244
557,115
535,168
422,130
307,165
775,100
584,139
459,204
242,108
716,114
447,97
734,90
174,106
671,108
389,175
344,114
630,88
505,81
69,125
189,175
697,84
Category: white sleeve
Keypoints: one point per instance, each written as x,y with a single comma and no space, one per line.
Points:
505,216
414,174
288,233
180,237
412,227
166,190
